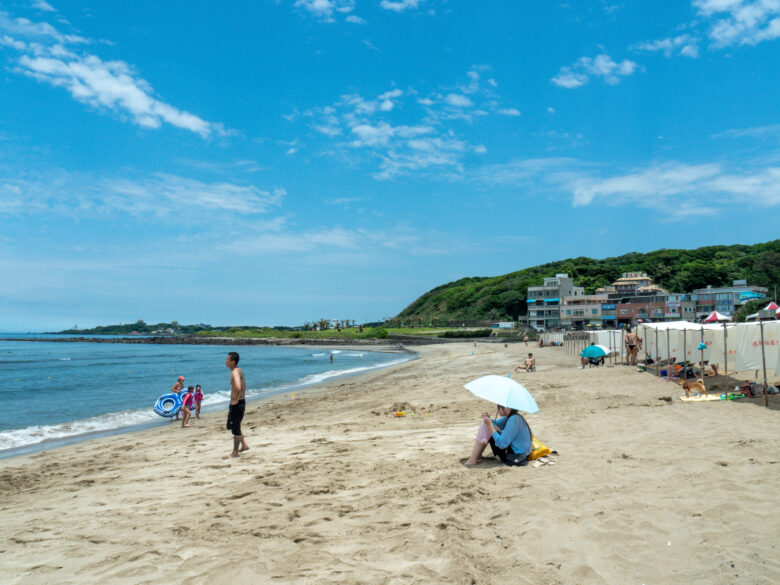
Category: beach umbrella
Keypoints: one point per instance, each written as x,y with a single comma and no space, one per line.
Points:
503,391
594,351
714,317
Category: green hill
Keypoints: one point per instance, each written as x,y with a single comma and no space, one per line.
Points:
503,297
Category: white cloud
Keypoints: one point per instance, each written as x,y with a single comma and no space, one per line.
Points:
345,202
521,172
161,195
601,66
678,188
657,181
325,10
386,99
674,190
740,22
421,155
772,130
39,31
550,110
400,5
43,6
685,45
355,19
459,101
113,85
382,133
430,141
109,85
568,79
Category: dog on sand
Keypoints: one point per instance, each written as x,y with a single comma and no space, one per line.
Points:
697,385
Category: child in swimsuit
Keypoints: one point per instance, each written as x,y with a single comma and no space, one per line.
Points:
187,401
198,400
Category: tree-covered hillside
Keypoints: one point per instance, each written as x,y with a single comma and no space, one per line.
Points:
503,297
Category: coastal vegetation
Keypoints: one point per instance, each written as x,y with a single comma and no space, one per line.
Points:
254,332
472,300
140,327
504,297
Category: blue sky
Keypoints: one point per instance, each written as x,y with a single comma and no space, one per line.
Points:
273,162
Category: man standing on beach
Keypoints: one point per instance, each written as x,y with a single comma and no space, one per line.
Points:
237,404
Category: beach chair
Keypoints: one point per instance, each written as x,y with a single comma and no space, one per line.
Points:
595,362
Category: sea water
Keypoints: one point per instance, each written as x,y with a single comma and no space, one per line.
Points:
58,392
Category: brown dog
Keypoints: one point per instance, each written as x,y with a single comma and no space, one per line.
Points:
688,386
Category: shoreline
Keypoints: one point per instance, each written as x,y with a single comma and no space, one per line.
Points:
392,340
293,387
335,489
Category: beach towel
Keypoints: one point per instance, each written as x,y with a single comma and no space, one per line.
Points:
702,398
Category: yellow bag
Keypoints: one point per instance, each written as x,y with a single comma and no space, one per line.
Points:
538,449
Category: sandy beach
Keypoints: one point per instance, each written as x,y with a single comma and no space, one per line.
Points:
335,489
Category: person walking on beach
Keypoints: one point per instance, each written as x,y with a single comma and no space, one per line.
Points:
525,338
177,388
633,343
237,404
187,400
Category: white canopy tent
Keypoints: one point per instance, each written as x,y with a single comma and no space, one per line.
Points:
736,345
610,338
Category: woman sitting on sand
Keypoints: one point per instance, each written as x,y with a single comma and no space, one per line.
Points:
509,437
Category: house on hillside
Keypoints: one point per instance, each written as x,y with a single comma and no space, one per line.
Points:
544,302
726,299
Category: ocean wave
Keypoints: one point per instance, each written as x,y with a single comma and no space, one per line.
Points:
38,434
114,421
322,376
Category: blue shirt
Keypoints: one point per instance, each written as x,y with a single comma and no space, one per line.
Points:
514,434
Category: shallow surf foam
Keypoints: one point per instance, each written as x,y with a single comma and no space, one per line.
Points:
128,419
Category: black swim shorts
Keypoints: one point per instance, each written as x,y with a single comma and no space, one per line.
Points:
236,415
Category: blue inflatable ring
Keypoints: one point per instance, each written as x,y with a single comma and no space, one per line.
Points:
168,405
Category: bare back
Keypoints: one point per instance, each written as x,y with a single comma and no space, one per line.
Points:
237,385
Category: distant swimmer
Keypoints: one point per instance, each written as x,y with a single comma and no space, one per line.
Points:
331,358
237,404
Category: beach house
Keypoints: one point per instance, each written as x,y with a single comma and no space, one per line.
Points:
727,299
544,302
